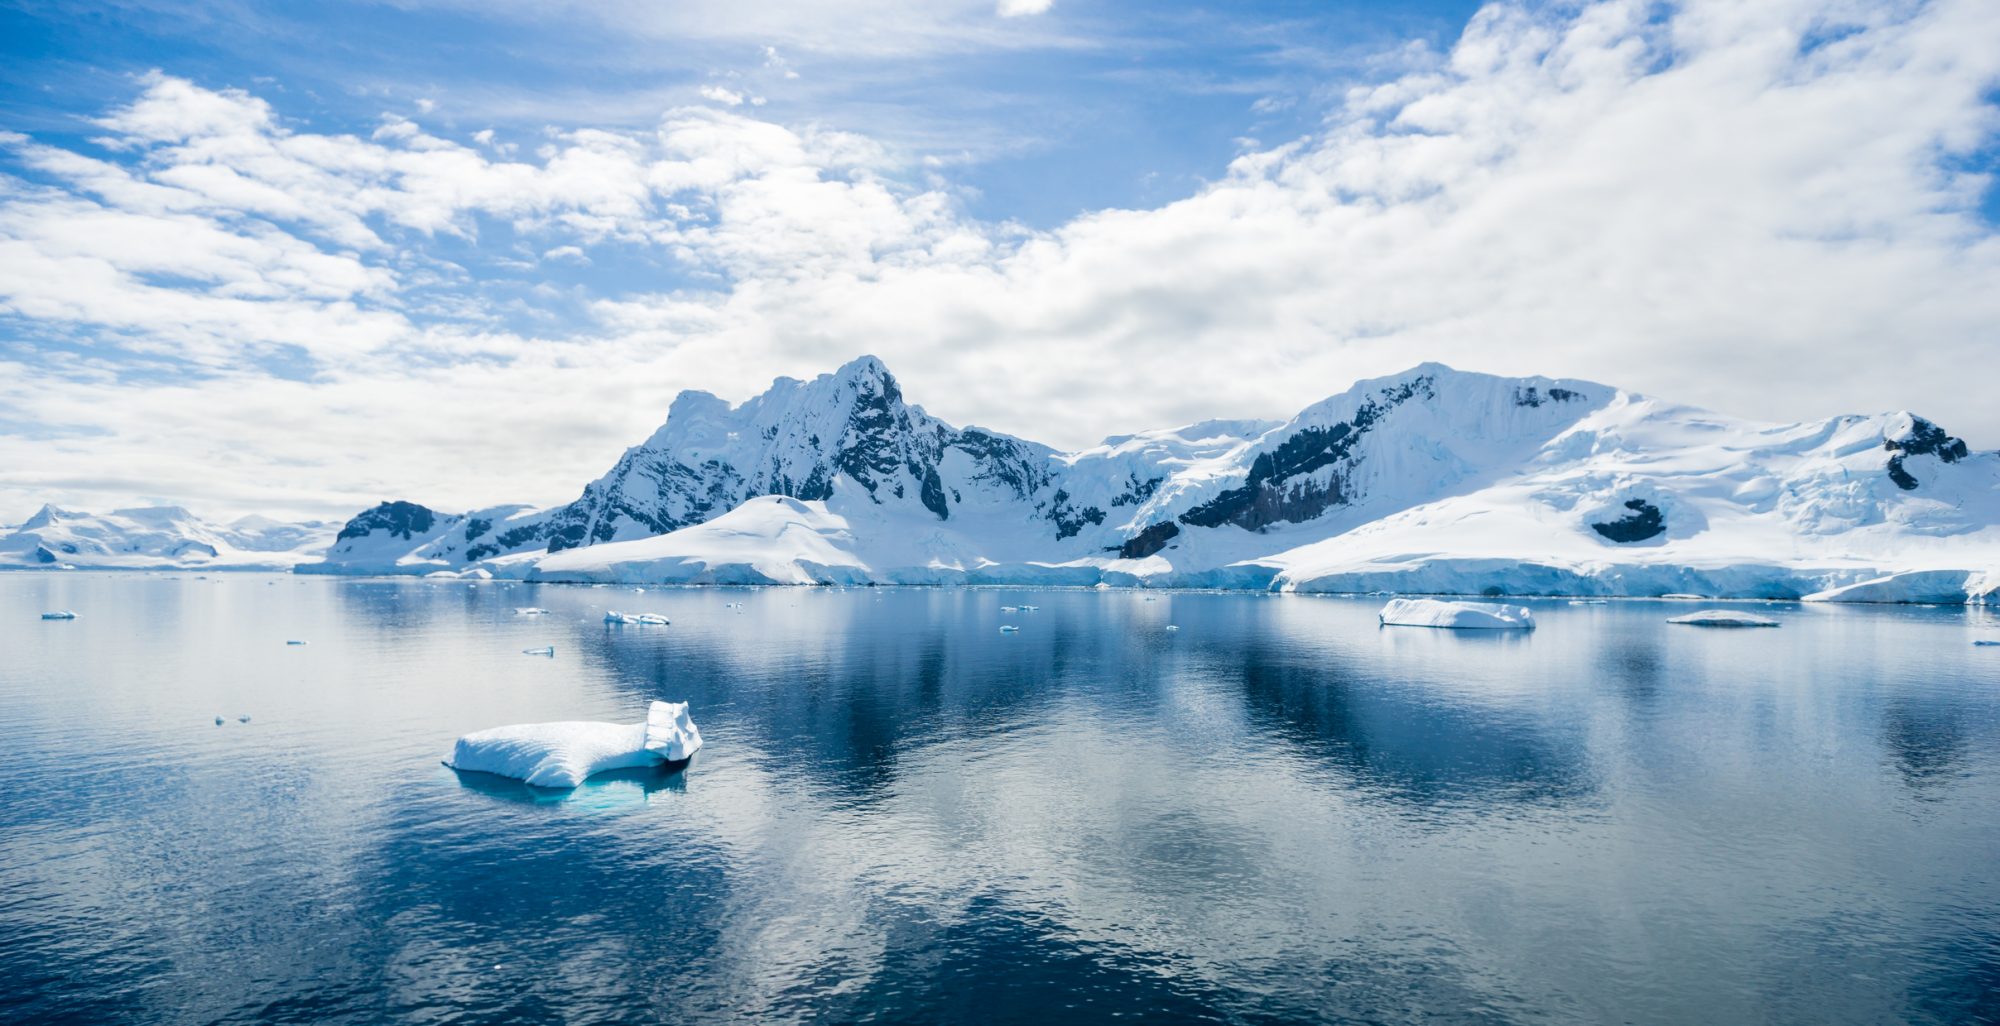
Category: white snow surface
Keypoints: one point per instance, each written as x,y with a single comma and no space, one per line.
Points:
1427,612
565,754
160,538
1724,618
1433,481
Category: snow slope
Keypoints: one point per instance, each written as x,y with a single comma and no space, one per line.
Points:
159,537
1433,480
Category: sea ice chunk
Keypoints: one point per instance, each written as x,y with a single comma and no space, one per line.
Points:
1423,612
1724,618
545,650
60,614
563,754
530,611
1008,628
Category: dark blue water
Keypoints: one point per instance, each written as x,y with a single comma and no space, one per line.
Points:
1279,813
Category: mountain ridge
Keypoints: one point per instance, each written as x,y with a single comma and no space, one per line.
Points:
1604,489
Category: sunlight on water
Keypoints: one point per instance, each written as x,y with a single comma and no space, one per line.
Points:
1281,811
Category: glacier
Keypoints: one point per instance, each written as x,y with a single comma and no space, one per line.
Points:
1431,481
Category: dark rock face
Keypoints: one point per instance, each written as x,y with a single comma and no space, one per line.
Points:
1645,521
400,519
1532,396
1149,541
1925,439
1278,488
1136,491
1068,519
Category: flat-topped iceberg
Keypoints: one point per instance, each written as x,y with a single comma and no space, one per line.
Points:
564,754
1724,618
1423,612
60,614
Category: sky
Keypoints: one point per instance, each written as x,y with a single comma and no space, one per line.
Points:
295,259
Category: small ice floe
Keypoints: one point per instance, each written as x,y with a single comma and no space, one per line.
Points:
1422,612
1586,602
1683,596
545,650
218,721
1724,618
1010,609
1986,642
530,611
617,617
1173,626
738,606
60,614
243,719
1008,628
1029,609
564,754
294,642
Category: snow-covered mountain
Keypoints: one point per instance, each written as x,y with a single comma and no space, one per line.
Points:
1429,480
159,537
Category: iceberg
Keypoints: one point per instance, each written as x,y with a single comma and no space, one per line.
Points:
1724,618
294,642
530,611
564,754
1008,628
617,617
1983,643
545,650
60,614
1404,612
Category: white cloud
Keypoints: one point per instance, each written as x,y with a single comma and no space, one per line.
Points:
722,96
1017,8
1695,206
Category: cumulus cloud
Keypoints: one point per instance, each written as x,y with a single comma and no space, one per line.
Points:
1766,208
1018,8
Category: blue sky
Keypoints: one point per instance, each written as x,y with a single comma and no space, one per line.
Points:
299,257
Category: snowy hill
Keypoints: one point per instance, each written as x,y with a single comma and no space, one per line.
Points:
1430,480
159,537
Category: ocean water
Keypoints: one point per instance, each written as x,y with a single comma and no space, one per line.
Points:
1281,812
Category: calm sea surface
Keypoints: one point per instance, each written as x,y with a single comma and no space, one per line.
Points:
1280,812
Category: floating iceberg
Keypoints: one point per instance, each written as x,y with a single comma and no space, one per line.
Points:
294,642
1008,628
530,611
1010,609
1724,618
545,650
218,721
1985,644
60,614
1173,626
1029,609
243,719
563,754
615,616
1404,612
